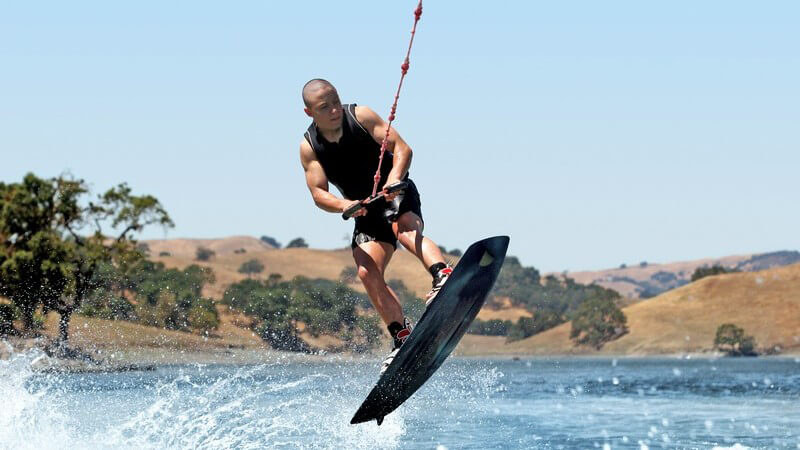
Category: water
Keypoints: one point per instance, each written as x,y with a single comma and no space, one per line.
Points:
469,403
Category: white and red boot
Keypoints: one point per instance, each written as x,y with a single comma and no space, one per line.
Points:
399,340
439,279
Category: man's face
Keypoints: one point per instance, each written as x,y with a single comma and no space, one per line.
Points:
325,108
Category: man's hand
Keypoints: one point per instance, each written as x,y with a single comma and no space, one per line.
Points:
359,213
389,196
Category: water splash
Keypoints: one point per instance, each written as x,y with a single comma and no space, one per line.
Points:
28,418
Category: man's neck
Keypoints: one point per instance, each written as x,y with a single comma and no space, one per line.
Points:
331,135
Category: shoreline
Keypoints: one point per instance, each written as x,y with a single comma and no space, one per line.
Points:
150,359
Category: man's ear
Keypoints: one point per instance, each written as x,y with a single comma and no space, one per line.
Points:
307,111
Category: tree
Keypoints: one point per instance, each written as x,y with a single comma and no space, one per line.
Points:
716,269
204,254
270,241
274,278
542,320
251,267
323,306
297,243
493,327
172,298
597,321
732,340
44,258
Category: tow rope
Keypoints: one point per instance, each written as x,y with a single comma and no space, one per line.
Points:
404,70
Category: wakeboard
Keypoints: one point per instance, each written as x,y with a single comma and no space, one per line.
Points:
439,330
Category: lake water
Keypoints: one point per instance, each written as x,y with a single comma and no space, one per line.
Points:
469,403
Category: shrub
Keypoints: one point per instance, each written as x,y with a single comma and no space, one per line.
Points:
297,243
251,267
716,269
271,241
202,319
732,340
204,254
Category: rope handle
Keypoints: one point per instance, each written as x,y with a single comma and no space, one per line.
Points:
395,187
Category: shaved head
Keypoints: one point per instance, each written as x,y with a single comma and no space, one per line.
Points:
312,86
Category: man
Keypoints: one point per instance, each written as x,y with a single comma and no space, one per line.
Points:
342,147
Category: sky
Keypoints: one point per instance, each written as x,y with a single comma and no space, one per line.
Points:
592,133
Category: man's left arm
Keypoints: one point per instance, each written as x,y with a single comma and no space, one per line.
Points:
375,125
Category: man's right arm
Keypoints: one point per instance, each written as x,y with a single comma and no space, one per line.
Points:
317,182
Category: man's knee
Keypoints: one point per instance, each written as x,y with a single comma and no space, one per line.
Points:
409,224
369,275
363,273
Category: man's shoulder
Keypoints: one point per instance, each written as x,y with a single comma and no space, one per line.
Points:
306,150
365,115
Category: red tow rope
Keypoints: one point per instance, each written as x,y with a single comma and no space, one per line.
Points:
404,69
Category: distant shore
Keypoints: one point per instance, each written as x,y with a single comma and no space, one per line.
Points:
145,359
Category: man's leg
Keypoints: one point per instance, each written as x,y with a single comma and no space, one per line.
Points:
408,229
371,259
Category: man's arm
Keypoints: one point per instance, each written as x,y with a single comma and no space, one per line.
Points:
375,125
317,183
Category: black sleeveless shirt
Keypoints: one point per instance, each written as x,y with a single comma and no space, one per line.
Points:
350,164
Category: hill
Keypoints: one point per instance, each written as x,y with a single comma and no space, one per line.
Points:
648,279
765,303
291,262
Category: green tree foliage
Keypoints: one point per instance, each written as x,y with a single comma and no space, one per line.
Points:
297,243
494,327
348,275
251,267
413,306
172,298
271,241
204,254
732,340
7,315
551,300
322,306
716,269
542,320
596,321
46,260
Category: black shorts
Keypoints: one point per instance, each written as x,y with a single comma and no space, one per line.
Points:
376,225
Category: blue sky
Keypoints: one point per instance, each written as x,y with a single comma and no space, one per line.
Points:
593,133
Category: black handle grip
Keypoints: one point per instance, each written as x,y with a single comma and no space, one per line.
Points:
395,187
